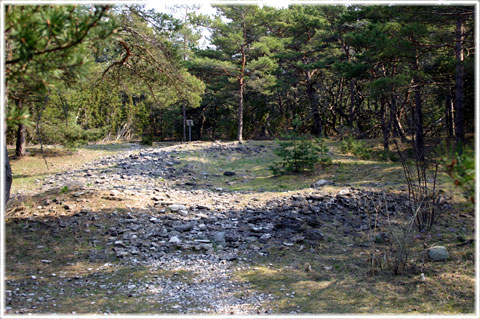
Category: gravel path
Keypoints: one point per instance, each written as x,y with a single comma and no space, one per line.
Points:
149,177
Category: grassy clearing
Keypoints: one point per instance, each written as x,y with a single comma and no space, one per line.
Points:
253,175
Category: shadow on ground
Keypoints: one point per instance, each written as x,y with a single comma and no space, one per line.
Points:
65,260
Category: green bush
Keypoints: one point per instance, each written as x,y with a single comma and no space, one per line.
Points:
70,136
299,153
462,171
357,148
147,140
347,145
361,150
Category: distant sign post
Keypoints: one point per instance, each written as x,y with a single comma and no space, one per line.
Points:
190,124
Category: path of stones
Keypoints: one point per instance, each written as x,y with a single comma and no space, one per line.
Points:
210,232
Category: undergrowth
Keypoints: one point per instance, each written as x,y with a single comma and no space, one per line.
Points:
360,149
299,153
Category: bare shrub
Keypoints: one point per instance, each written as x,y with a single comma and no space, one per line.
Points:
423,196
400,240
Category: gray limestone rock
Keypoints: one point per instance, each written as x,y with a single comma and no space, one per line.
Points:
322,182
177,207
438,253
219,238
175,240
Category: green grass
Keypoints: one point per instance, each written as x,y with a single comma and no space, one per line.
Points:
253,174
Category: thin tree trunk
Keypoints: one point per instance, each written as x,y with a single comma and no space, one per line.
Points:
241,83
184,59
8,168
350,115
393,113
240,113
184,123
214,122
8,175
418,116
314,105
399,115
400,129
185,35
459,78
20,148
419,143
385,124
351,112
449,115
395,124
201,126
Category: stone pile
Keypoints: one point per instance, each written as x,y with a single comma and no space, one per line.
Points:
288,221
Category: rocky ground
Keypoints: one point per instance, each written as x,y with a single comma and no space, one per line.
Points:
146,207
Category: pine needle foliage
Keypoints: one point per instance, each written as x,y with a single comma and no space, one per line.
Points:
299,153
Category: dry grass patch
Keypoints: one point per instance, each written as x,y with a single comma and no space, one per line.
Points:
334,278
30,168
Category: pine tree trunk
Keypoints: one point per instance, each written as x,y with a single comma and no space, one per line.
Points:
398,116
385,125
314,106
21,141
351,112
184,123
418,116
241,82
21,138
459,78
240,113
8,168
419,143
449,115
201,126
400,129
8,175
393,113
395,124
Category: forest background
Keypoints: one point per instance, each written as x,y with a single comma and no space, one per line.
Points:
81,74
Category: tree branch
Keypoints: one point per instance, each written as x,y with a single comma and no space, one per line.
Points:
66,45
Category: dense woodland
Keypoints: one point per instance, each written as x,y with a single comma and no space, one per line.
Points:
78,74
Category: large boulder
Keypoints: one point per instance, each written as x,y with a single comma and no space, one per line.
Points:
177,207
229,173
322,182
438,253
219,238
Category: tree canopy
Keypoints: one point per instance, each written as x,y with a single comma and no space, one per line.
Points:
86,73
